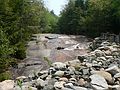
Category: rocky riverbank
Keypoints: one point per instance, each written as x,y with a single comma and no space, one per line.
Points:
97,70
45,49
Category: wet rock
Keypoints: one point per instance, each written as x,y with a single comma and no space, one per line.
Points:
98,82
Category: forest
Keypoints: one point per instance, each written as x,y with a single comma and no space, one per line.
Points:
19,19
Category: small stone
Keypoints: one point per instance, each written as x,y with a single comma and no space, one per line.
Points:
73,79
81,82
108,52
102,69
85,71
63,79
99,53
59,73
59,65
43,72
101,59
71,70
69,85
105,43
59,85
74,63
88,64
40,83
109,57
117,75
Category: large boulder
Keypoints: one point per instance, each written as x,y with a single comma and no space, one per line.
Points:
106,75
98,82
7,85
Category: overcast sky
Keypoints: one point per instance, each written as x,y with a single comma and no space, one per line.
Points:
55,5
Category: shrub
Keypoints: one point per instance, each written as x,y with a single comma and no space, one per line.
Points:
5,76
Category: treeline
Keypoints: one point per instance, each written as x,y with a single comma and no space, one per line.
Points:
18,20
90,17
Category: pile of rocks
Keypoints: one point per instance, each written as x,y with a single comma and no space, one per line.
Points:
97,70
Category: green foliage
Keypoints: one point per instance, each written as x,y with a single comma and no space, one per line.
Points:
6,62
19,83
4,76
19,19
51,21
90,17
20,51
48,61
5,48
